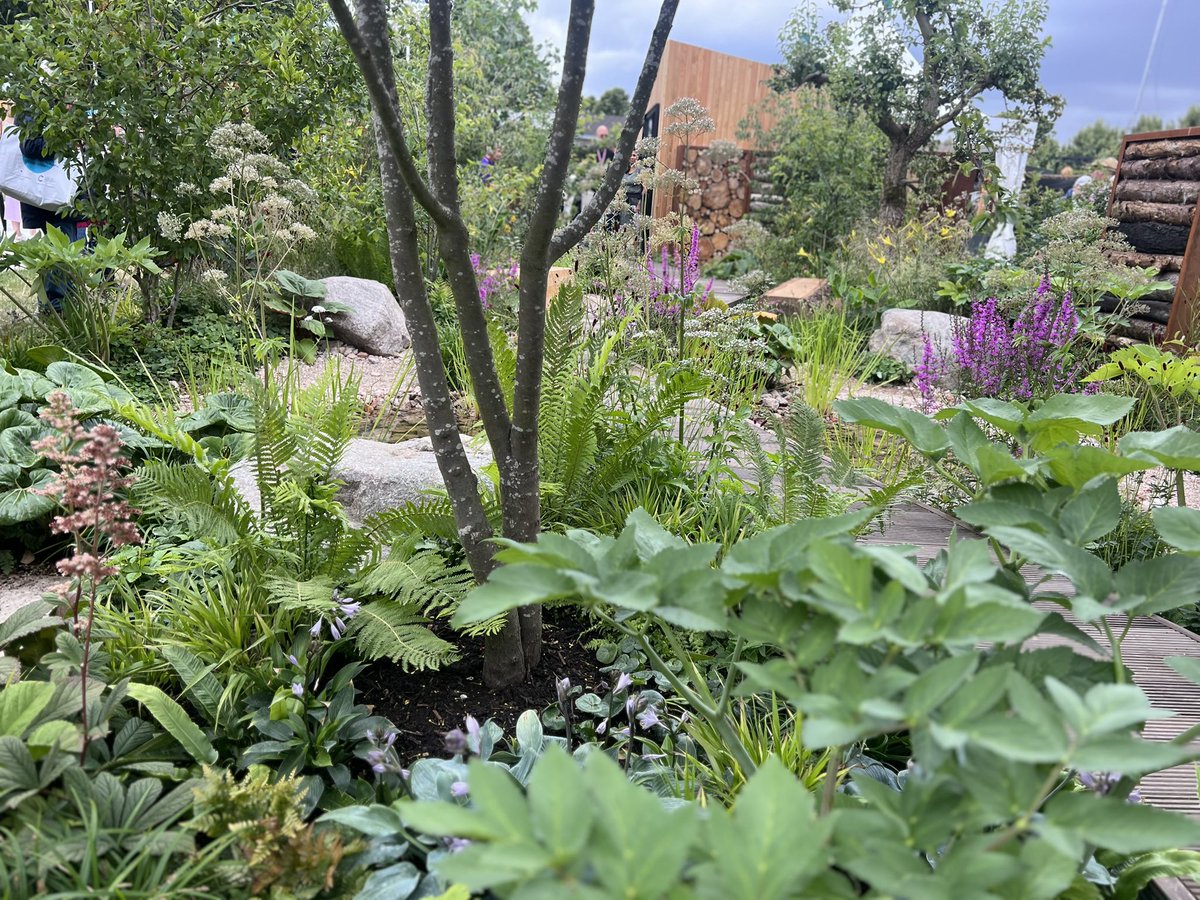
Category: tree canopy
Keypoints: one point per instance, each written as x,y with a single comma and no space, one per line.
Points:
966,49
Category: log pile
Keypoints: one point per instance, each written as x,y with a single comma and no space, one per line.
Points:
1154,201
723,197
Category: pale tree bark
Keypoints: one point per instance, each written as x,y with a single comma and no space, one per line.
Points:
511,653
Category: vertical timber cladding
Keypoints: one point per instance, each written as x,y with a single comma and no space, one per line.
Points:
1154,200
729,87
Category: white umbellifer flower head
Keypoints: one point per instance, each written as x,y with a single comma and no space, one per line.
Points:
206,228
647,148
170,226
187,189
222,185
213,276
235,139
228,213
243,172
275,206
318,308
301,232
691,117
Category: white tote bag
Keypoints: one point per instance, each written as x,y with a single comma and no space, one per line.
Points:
43,183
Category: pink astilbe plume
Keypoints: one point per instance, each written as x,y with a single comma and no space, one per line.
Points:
87,485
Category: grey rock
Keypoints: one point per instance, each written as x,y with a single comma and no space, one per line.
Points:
902,333
374,323
376,475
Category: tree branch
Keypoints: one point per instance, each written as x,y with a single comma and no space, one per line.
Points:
470,517
439,105
577,229
382,91
453,237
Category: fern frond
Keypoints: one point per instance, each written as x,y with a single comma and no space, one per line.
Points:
210,506
421,579
386,629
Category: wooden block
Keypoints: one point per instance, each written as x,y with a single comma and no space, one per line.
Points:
559,275
798,297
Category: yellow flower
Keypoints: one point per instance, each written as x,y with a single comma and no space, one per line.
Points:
882,260
945,231
951,213
888,241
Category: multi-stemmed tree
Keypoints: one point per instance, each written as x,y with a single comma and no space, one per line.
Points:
511,423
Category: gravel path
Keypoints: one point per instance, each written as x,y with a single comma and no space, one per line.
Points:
19,590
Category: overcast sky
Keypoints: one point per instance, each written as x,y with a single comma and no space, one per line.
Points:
1095,61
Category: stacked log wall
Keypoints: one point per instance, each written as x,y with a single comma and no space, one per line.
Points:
1154,199
723,197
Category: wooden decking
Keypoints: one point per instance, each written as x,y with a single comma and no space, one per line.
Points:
1150,640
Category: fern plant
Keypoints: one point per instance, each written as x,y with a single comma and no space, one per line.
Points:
252,566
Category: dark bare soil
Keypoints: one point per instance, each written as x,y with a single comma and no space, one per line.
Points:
425,705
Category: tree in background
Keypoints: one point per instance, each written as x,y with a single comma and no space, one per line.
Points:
825,165
511,423
613,102
134,88
966,48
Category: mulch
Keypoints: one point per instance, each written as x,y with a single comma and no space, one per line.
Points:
425,705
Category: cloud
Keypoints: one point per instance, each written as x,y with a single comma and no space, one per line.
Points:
1095,60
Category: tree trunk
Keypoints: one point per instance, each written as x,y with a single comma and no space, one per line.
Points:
895,184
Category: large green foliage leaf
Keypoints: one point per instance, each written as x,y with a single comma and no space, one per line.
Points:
175,720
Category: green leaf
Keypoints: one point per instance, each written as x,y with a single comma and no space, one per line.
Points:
199,683
395,882
1163,864
21,703
1085,413
1076,466
172,717
1092,514
511,586
1175,448
771,845
1090,575
25,504
1179,526
558,803
1119,826
639,848
374,820
1149,586
935,684
299,285
920,431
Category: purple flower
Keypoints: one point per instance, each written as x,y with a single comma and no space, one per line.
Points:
292,659
622,684
648,719
459,789
297,689
315,631
562,687
348,607
456,844
456,741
